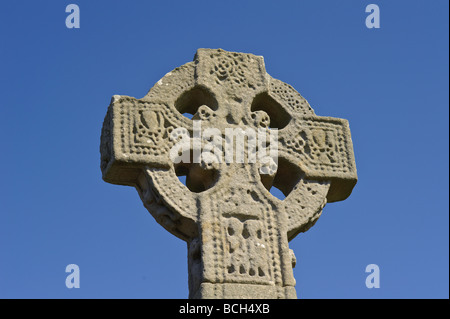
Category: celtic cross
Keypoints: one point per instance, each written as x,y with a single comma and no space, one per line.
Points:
237,232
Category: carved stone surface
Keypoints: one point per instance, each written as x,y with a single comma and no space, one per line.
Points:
236,231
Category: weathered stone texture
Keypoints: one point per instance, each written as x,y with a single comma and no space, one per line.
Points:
237,233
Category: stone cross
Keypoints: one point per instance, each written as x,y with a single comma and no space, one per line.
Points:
237,232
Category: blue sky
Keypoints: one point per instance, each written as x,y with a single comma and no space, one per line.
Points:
56,83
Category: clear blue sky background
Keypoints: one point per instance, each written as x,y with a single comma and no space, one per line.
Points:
56,83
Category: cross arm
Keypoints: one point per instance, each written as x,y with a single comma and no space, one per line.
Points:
135,135
322,147
134,150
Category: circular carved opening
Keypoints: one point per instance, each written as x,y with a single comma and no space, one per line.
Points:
189,102
286,178
195,177
278,116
